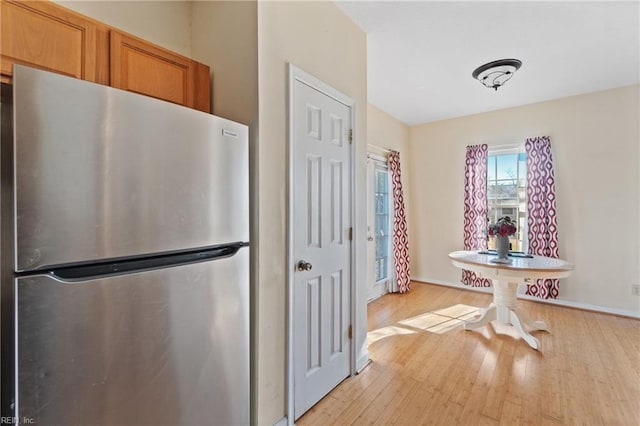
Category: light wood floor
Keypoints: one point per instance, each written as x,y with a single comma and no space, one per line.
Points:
427,370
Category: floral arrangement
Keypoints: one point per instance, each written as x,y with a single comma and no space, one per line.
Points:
503,227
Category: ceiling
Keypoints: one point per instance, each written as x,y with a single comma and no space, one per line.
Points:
420,55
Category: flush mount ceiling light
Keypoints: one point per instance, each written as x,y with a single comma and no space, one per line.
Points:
496,73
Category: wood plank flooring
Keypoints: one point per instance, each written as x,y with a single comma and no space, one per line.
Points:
427,370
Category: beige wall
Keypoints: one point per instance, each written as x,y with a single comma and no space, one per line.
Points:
385,131
595,144
166,23
233,58
231,53
318,38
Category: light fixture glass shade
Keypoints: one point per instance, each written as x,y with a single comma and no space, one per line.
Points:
495,74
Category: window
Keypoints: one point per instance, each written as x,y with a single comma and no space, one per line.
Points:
381,194
507,191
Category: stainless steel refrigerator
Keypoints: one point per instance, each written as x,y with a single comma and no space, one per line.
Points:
125,258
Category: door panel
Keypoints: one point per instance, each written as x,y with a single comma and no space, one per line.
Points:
167,346
321,225
42,35
314,200
113,174
138,66
337,293
337,196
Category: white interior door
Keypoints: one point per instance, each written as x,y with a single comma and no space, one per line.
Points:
321,244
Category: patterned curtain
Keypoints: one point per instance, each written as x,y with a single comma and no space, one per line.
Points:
541,211
400,233
475,208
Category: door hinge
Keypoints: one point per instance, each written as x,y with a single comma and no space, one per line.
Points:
350,332
350,136
351,234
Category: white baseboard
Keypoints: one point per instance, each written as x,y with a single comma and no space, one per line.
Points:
282,422
362,362
557,302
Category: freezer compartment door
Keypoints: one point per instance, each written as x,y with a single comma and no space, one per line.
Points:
104,173
162,347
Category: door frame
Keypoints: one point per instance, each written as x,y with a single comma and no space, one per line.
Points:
297,74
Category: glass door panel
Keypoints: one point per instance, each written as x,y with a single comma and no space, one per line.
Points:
382,223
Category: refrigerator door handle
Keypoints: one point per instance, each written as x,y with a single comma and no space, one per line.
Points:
129,266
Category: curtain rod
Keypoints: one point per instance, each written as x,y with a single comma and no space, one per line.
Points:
507,147
380,148
378,158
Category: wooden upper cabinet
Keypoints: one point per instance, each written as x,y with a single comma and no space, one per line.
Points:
43,35
141,67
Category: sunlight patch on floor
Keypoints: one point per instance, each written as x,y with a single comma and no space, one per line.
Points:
439,322
425,321
446,326
457,311
381,333
470,315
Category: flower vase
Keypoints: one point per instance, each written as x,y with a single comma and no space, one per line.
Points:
502,246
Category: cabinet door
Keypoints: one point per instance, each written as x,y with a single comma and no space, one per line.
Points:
141,67
202,88
43,35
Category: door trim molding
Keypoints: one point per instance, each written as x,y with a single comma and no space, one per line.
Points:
297,74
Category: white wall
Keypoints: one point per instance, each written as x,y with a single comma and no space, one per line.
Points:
165,23
318,38
595,144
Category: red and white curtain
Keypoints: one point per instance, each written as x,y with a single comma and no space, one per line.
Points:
475,207
400,232
541,211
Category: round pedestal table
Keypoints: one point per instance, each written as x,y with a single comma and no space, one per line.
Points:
505,278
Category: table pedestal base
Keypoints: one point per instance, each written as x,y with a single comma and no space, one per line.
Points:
504,310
